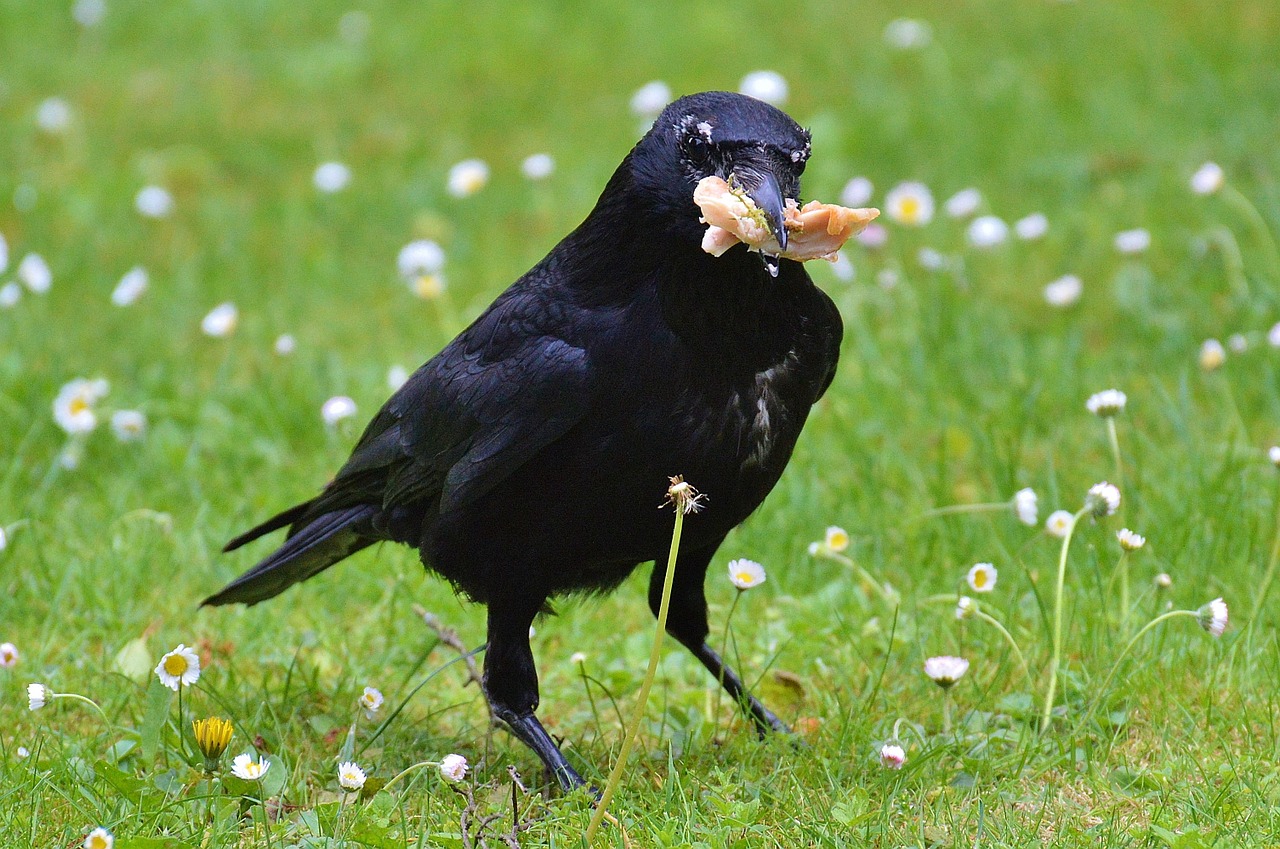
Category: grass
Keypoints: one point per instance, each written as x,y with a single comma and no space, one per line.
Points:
955,387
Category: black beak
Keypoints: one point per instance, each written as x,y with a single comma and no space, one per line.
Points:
762,186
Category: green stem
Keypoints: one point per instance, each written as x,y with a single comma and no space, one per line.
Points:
1017,652
1233,260
889,597
79,698
946,711
951,510
402,773
715,712
1237,199
1114,439
1122,568
1270,574
615,777
1046,715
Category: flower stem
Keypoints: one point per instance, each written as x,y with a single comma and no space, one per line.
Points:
946,711
79,698
886,592
402,773
615,777
1046,715
1122,568
715,712
1017,652
953,509
1269,575
1237,199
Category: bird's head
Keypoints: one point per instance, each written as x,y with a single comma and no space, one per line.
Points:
718,133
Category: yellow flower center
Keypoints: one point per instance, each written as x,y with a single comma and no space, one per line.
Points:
838,541
175,665
745,578
97,841
909,208
428,286
980,578
78,406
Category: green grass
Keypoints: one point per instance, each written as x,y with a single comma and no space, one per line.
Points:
954,387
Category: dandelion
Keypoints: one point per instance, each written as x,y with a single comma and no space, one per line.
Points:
1064,292
37,696
650,99
249,768
212,735
746,574
34,273
945,670
539,166
1213,617
982,578
836,539
128,425
892,756
1163,581
965,607
131,287
89,13
8,655
337,409
1031,227
180,667
910,204
987,231
10,294
153,202
1026,506
284,345
1129,540
330,177
875,236
371,701
99,838
74,403
768,86
963,203
1106,403
907,34
857,192
1212,355
221,320
397,376
1273,454
1133,241
1208,179
468,177
683,496
350,776
1103,499
53,115
453,768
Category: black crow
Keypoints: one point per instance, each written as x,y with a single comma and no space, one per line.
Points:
527,459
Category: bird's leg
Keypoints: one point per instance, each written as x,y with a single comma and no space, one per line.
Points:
687,622
511,684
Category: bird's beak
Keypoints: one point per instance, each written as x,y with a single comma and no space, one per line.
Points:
767,194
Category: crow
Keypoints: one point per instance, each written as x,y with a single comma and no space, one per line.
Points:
526,460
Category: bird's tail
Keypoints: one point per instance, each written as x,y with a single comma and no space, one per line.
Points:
309,550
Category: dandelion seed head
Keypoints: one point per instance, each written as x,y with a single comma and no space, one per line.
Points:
683,496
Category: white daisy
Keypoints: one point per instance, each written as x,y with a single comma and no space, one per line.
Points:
1163,581
1064,291
371,700
1103,499
8,655
836,539
910,204
1133,241
89,13
873,236
1273,454
37,696
249,768
965,607
1027,506
131,287
330,177
931,259
1031,227
154,202
336,409
34,273
10,294
987,231
1238,343
907,34
842,267
284,345
1208,179
578,658
350,776
1129,540
1213,617
4,254
650,99
768,86
397,375
99,838
892,756
539,166
946,670
1107,403
963,203
1273,335
221,321
1058,523
453,768
128,425
1212,355
857,192
23,753
745,574
468,177
179,668
982,577
73,406
53,115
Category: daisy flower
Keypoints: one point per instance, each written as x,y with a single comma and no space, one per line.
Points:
836,539
745,574
285,345
1213,617
1032,227
337,409
128,425
1129,540
1133,241
857,192
371,700
1106,403
1058,523
1273,335
1103,499
539,166
221,320
350,776
910,204
420,264
468,177
153,202
1273,454
1212,355
1208,179
1238,343
907,34
37,696
1064,291
987,231
330,177
99,838
892,756
453,768
945,670
34,273
982,578
131,287
10,294
1027,506
73,406
8,655
768,86
89,13
397,375
180,667
650,99
875,236
578,658
963,203
249,768
53,115
965,607
1163,581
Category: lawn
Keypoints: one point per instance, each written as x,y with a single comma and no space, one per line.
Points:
962,381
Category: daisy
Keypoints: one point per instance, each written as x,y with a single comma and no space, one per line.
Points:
397,375
1238,343
371,700
249,768
1213,617
89,13
857,192
768,86
1106,403
284,345
578,658
128,425
946,670
153,202
745,574
1212,355
221,320
1064,291
1133,241
99,838
10,294
53,115
1273,335
907,34
650,99
453,768
1129,540
987,231
965,607
180,667
1163,581
336,409
34,273
1208,179
1026,505
982,578
836,539
1058,523
842,267
8,655
910,204
350,776
468,177
1032,227
131,287
330,177
892,756
539,166
874,236
1103,499
73,406
37,696
931,259
1273,454
963,203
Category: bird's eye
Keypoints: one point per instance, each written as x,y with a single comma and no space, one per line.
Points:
697,149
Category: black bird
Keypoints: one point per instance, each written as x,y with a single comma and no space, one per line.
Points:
527,459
